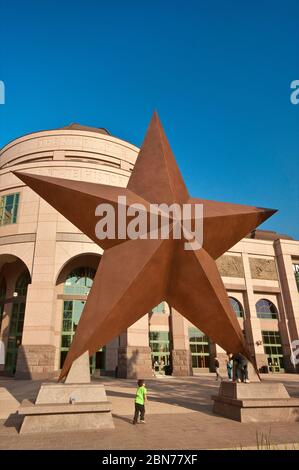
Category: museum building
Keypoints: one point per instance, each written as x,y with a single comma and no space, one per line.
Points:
47,268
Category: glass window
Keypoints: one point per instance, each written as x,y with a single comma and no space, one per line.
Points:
66,341
9,208
79,281
237,307
159,336
72,310
273,350
265,309
296,273
159,344
199,348
22,283
15,334
160,308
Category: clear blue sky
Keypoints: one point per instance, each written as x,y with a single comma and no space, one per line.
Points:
218,72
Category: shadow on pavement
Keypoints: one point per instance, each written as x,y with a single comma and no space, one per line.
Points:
191,401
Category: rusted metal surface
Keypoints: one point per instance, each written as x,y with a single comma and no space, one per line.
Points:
135,275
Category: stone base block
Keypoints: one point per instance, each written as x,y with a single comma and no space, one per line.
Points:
62,393
134,363
255,402
55,420
181,363
8,403
67,407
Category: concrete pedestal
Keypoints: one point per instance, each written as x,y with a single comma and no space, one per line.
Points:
8,403
255,402
76,405
54,411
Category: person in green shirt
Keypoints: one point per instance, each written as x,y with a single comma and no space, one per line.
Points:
139,402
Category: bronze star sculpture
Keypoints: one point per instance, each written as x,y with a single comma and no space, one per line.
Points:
135,275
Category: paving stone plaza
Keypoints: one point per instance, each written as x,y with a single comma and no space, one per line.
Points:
178,416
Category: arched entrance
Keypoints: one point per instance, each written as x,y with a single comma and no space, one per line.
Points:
14,281
2,299
16,321
77,278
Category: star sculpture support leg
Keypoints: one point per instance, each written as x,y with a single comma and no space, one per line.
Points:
134,275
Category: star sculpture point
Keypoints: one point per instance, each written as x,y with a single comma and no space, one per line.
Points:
135,275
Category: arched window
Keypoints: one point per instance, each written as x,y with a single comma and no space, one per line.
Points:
265,309
237,307
22,283
2,299
79,281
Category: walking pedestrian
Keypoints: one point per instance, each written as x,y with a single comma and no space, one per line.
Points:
229,366
241,368
140,399
216,364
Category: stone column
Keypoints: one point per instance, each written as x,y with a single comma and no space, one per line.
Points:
111,356
290,297
134,353
251,322
180,352
36,356
10,285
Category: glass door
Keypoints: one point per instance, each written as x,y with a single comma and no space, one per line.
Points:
275,363
273,350
72,310
159,344
14,336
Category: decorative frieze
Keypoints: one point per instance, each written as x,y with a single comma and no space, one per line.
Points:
262,268
230,266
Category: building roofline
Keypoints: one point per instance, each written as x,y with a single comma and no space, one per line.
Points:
268,235
75,127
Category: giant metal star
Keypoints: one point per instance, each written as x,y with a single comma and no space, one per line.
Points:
136,275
